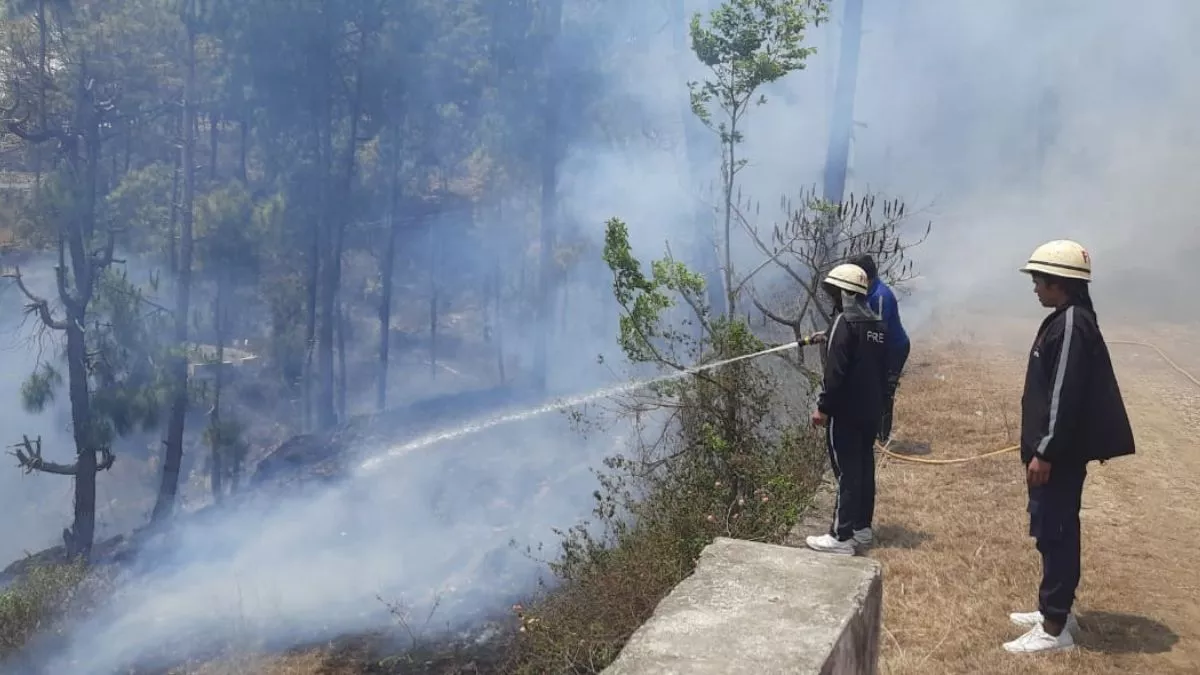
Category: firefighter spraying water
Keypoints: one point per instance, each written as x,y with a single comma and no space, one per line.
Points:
849,407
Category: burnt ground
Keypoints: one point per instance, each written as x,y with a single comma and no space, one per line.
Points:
311,460
315,462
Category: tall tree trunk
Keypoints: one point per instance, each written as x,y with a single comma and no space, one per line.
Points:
216,431
433,298
549,203
128,145
79,538
214,128
243,144
341,358
173,234
83,529
388,271
173,458
841,123
564,295
498,319
41,114
730,176
76,284
313,282
326,415
336,220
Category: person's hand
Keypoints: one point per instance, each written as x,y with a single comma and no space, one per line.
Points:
817,337
819,419
1038,472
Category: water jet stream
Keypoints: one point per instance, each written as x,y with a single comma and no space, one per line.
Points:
579,399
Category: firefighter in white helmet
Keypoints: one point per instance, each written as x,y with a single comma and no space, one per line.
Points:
1071,413
849,407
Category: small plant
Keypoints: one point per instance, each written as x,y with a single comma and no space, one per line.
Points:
746,45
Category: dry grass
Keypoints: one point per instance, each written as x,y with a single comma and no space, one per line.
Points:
306,663
301,664
353,656
954,544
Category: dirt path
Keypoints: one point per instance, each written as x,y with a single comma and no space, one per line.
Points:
953,539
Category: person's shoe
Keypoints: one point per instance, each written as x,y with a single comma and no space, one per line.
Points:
1031,619
828,544
1038,641
864,537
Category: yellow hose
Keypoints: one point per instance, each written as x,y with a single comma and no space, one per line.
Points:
1012,448
1170,362
956,460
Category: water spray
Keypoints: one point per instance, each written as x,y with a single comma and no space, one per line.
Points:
579,399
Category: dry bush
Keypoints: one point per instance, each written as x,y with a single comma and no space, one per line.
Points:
36,603
736,466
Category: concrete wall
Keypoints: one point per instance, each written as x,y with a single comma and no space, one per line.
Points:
759,609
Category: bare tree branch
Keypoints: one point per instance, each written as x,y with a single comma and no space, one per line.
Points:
773,255
29,457
791,323
815,236
41,135
36,303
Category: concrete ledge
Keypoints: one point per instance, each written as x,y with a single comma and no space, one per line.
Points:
757,609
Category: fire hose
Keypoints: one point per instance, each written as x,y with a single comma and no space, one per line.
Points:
883,448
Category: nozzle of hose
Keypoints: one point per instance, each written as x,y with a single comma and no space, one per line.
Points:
814,339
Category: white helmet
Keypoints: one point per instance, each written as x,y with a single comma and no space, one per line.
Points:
848,277
1060,258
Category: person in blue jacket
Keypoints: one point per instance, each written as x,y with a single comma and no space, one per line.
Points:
881,298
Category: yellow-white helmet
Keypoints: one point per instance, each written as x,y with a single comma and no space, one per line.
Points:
1060,258
848,278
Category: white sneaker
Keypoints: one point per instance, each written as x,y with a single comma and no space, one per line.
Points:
1038,641
828,544
1031,619
864,537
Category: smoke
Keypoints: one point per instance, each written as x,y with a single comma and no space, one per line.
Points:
1014,123
44,507
432,534
1005,122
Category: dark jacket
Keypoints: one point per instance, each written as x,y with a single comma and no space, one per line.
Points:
855,367
882,300
1071,410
